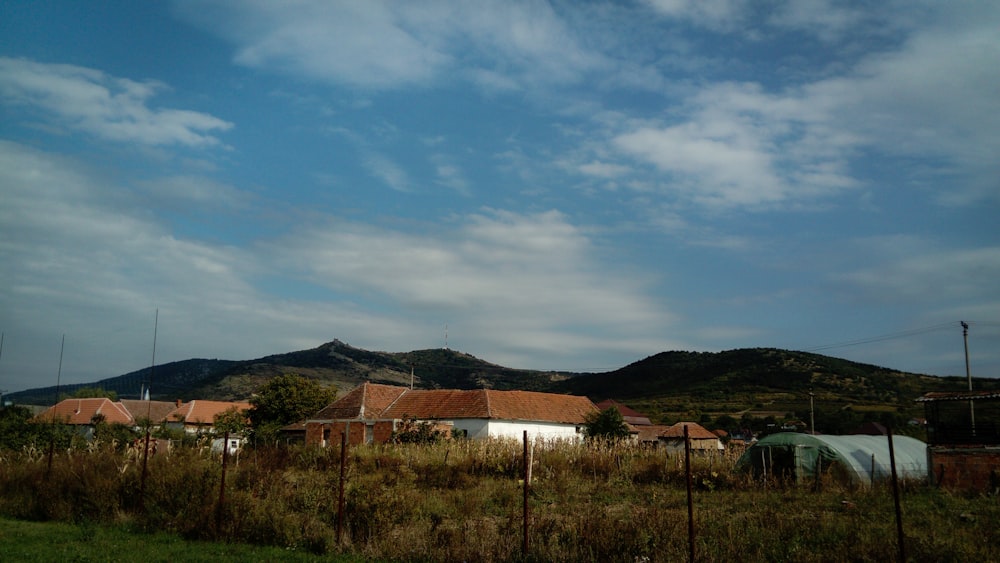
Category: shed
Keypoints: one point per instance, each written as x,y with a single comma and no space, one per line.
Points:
857,459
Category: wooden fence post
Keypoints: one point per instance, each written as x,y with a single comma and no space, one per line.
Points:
687,470
340,499
895,496
527,473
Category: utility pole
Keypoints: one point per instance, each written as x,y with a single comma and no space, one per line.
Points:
812,414
968,375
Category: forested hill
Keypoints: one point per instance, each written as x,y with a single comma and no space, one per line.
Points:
728,380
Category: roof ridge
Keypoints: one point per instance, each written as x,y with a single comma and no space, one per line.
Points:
396,400
489,405
364,397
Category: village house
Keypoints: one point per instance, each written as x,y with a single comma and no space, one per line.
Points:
85,413
372,412
194,417
630,416
198,417
703,441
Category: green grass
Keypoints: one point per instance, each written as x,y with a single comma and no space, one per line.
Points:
62,542
461,501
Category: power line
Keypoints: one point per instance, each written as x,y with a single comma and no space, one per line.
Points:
884,337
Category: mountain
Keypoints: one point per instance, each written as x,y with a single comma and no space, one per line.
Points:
667,386
334,363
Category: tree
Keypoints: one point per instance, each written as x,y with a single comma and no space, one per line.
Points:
286,399
413,432
92,393
608,424
232,420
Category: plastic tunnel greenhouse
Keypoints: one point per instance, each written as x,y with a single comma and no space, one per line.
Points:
858,459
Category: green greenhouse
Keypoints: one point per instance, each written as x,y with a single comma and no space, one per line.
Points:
858,459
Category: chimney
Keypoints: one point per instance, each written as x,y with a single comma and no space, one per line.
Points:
178,403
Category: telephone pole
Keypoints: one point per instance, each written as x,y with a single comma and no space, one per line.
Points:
968,375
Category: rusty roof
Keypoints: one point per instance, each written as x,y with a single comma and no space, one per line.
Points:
157,411
389,401
630,416
695,431
367,400
958,396
650,432
203,412
82,411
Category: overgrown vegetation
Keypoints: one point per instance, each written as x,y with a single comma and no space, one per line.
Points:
283,400
460,500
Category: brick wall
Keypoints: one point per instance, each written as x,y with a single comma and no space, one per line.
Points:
973,469
381,432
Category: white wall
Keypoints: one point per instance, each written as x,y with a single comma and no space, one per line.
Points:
478,428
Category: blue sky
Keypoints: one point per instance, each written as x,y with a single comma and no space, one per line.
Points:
571,185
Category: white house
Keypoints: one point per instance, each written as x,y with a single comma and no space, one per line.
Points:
372,412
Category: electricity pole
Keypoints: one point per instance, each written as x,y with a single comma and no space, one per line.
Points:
968,375
812,414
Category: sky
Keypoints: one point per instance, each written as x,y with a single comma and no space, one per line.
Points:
544,185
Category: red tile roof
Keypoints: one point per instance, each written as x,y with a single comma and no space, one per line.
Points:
631,416
392,402
367,400
651,433
203,412
82,411
156,411
695,431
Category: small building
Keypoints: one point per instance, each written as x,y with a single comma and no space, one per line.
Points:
155,411
198,417
371,413
703,441
631,417
84,413
963,436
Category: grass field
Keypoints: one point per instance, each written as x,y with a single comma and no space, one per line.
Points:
62,542
462,501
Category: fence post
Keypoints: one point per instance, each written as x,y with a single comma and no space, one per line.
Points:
527,472
222,483
895,496
340,496
687,470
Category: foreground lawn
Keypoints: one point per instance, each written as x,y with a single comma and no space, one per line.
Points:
54,541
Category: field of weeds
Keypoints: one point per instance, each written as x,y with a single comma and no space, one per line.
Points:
463,501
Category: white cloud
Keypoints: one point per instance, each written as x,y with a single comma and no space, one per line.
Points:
913,269
386,170
713,14
116,109
528,290
385,45
199,191
504,273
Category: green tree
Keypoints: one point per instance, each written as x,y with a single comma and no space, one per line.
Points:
17,430
94,393
286,399
608,424
413,432
232,420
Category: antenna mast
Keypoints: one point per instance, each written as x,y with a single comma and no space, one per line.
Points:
62,347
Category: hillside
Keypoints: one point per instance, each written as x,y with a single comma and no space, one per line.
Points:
764,382
667,386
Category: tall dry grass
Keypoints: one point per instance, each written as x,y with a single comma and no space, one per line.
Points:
462,501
